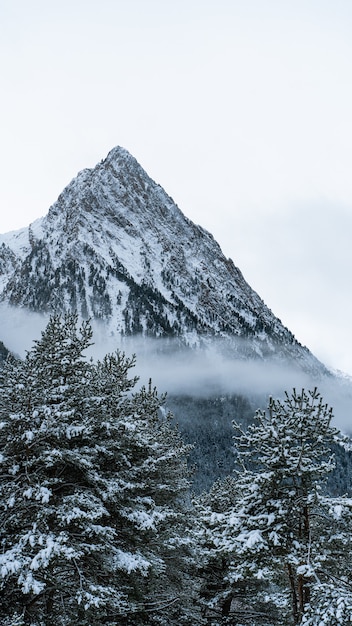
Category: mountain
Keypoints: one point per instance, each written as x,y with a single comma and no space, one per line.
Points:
116,247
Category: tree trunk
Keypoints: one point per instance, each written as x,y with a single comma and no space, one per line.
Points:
291,578
226,607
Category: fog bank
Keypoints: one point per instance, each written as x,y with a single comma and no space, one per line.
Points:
196,372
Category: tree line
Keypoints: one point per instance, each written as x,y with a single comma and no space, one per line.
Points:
99,524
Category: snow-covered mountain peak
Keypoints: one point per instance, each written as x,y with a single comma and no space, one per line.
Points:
122,162
116,247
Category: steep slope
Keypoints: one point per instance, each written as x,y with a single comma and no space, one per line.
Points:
115,246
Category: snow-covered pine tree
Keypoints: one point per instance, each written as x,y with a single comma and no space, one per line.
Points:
212,509
282,540
93,487
153,511
285,456
330,564
222,599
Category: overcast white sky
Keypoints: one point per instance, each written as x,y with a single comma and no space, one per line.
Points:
240,109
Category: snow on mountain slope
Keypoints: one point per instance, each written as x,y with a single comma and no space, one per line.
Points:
115,247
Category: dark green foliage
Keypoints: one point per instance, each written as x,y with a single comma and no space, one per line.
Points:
32,286
145,303
4,353
339,481
206,423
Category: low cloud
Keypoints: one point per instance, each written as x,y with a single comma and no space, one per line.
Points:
20,327
208,372
195,372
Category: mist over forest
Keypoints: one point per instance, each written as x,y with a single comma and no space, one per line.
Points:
203,372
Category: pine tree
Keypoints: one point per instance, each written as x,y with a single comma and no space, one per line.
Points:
224,598
330,564
153,509
212,509
93,489
283,542
284,455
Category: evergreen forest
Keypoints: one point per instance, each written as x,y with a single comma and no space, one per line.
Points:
100,521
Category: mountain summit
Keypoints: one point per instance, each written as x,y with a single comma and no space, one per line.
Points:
116,247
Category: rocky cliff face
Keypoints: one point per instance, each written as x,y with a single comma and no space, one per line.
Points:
115,246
